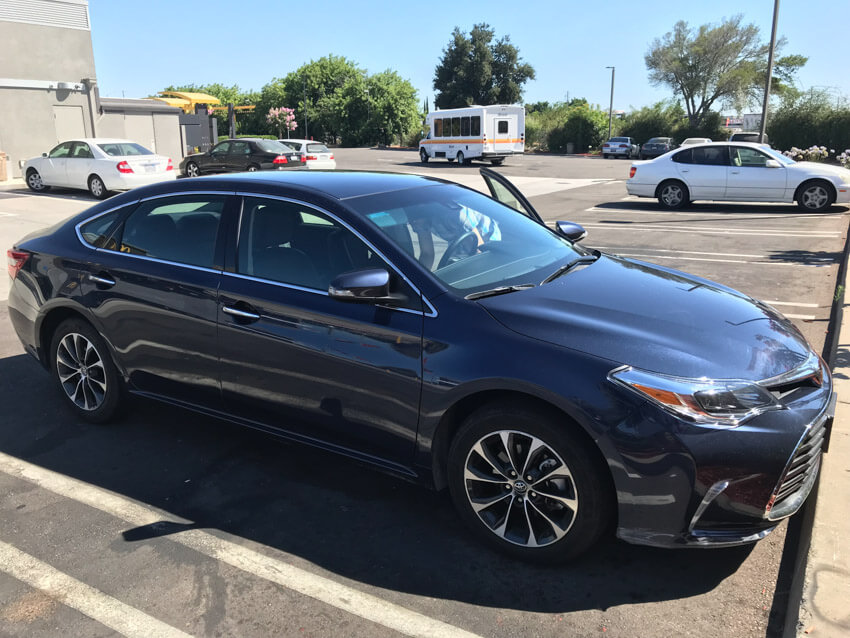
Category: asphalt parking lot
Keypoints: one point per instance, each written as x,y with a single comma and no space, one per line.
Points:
171,523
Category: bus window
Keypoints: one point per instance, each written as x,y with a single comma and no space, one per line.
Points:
475,125
464,126
438,128
455,127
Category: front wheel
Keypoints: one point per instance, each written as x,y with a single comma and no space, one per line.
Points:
673,195
34,181
461,160
815,197
529,485
253,168
84,371
192,170
97,188
423,156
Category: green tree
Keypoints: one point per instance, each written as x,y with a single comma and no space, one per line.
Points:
585,126
476,70
717,64
659,120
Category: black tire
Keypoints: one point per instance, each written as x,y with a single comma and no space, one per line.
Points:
498,161
667,194
83,368
34,182
815,196
461,160
450,160
566,457
192,169
253,168
604,155
97,188
423,156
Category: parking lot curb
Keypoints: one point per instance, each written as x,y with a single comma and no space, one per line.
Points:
820,586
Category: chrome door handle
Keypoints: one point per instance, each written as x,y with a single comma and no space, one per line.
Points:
103,281
735,172
240,313
684,170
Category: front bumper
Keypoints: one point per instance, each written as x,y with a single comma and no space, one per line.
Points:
726,487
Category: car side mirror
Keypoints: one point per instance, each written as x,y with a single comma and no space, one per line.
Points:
572,231
44,154
772,163
364,286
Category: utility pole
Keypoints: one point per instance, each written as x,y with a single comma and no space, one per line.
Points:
306,136
611,104
769,72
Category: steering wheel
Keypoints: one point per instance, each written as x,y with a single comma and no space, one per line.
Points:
456,245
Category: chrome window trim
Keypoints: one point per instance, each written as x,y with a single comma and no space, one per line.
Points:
160,261
91,219
431,312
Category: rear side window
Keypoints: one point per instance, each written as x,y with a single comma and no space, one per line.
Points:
711,156
455,127
97,232
684,157
181,229
475,125
123,149
464,126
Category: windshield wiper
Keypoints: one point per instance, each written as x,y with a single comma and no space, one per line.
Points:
501,290
584,259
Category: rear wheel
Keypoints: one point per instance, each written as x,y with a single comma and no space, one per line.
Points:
673,194
423,156
527,484
253,168
461,160
34,181
192,170
97,188
815,196
498,161
86,375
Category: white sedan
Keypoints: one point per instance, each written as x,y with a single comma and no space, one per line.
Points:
737,171
316,154
97,165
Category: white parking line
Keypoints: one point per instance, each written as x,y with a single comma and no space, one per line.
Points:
118,616
323,589
632,211
803,317
796,304
713,230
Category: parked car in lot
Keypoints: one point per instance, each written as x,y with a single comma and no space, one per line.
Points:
657,146
745,136
242,154
689,141
316,154
441,335
98,165
738,171
620,147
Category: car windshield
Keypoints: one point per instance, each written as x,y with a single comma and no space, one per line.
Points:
779,157
466,240
273,146
123,149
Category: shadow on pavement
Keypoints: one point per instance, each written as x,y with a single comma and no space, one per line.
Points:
325,509
791,211
54,192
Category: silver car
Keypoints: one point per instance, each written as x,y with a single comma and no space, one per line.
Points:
620,147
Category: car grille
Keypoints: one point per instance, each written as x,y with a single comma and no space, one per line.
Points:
800,473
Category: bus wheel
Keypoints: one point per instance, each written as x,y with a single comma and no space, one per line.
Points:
461,160
423,155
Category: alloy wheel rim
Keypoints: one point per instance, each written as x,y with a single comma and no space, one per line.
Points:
252,169
81,371
96,187
671,195
192,170
35,181
815,197
520,488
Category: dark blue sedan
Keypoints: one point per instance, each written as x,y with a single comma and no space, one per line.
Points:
444,336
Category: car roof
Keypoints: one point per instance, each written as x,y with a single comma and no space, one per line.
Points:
100,140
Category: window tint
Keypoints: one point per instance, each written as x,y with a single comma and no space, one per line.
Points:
98,231
295,244
123,149
270,146
240,148
438,128
464,126
503,126
684,157
455,127
181,229
743,156
317,148
63,150
475,125
223,147
619,139
82,150
711,156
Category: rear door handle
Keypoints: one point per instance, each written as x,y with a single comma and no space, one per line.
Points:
240,314
735,172
101,281
684,170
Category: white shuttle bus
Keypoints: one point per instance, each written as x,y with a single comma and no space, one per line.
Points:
484,132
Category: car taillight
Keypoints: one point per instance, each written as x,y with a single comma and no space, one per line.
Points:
280,159
632,172
332,156
170,166
311,157
624,146
16,260
124,167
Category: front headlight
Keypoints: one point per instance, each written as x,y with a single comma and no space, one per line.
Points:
710,402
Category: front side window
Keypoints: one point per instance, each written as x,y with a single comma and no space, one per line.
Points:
63,150
182,229
743,156
466,240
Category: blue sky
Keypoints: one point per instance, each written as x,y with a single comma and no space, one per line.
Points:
141,46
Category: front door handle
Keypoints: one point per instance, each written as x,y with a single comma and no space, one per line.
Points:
240,314
101,281
684,170
735,172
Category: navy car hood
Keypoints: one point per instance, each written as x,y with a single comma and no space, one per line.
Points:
656,319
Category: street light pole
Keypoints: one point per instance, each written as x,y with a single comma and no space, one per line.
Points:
769,72
611,105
